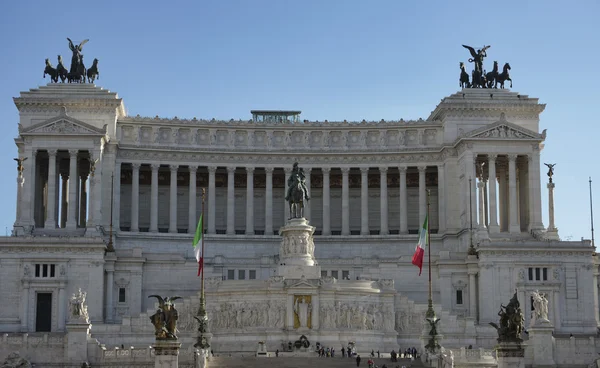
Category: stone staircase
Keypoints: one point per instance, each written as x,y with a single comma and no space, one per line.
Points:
303,362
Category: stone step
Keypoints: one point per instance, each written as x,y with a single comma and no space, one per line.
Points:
303,362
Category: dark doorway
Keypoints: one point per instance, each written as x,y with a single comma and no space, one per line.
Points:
43,315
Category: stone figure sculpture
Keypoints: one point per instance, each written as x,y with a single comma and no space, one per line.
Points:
297,192
540,306
77,307
302,310
14,360
511,321
165,318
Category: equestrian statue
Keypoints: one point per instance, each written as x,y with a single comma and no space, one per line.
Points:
297,192
479,77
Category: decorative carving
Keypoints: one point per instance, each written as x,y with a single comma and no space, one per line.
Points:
302,311
78,308
540,308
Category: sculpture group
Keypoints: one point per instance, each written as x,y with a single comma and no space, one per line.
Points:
511,321
77,73
165,318
479,77
297,192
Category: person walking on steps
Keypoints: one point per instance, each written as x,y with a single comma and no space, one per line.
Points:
358,360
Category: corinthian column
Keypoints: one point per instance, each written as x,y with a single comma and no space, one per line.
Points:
64,198
212,228
422,195
73,179
288,172
514,227
249,201
326,202
345,202
230,200
307,171
493,227
441,198
364,201
403,201
50,211
135,198
192,224
154,199
383,201
535,190
269,201
173,200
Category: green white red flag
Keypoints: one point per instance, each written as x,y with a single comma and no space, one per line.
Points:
417,259
198,246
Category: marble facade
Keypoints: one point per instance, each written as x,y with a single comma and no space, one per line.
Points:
478,154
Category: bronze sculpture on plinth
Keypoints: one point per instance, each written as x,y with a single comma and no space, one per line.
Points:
165,318
511,321
479,77
297,192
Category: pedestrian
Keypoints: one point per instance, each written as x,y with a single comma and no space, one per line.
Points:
378,354
277,353
358,360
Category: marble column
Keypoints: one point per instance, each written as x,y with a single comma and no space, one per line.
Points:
29,185
345,202
135,198
383,201
116,207
249,201
83,200
173,200
307,172
62,305
481,195
471,188
230,200
556,309
50,210
514,227
441,187
269,201
192,220
422,195
212,200
110,271
286,209
503,200
552,231
73,179
326,202
25,306
403,201
64,200
154,198
364,201
472,295
535,190
493,227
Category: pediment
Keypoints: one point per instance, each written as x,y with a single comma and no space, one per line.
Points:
302,283
63,125
505,130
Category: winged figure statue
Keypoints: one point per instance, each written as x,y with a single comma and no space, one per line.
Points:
20,164
76,49
478,56
165,318
550,170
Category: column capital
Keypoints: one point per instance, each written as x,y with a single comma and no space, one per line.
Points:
326,169
269,170
155,167
231,169
136,165
51,152
512,157
364,170
73,152
422,168
492,157
250,170
481,184
174,167
402,169
383,169
345,170
212,169
287,170
307,169
440,167
535,147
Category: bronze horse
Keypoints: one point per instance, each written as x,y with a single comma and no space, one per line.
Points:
78,76
491,76
503,77
93,73
51,72
464,77
62,71
296,201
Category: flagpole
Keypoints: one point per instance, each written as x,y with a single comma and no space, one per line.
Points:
430,312
202,232
591,212
204,336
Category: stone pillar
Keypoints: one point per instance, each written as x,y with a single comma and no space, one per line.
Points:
345,202
28,189
542,342
286,208
503,201
307,171
154,199
472,295
535,190
422,195
383,201
19,217
25,306
403,201
192,221
364,201
116,208
62,305
73,179
556,308
64,198
326,202
514,227
510,355
83,201
173,199
269,201
249,201
166,353
481,195
493,227
595,293
212,200
109,267
78,333
441,198
230,200
50,210
552,231
135,198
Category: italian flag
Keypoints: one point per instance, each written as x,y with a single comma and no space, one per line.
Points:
198,245
417,259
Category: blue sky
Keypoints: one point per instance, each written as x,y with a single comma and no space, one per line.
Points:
341,59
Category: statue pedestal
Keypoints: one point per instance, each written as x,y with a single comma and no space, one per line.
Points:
542,343
262,350
297,251
201,356
510,355
78,332
166,353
